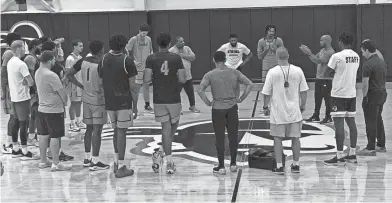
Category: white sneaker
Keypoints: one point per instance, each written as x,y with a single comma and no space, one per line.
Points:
60,167
74,128
80,124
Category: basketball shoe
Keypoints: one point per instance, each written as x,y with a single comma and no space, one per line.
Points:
170,168
157,160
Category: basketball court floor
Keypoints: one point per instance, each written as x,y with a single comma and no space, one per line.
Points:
194,154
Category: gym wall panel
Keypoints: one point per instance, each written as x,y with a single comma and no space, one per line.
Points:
43,20
199,37
4,25
303,34
346,21
387,52
13,19
282,18
260,18
78,29
323,24
372,24
136,18
98,30
115,27
240,23
159,23
179,26
60,27
219,28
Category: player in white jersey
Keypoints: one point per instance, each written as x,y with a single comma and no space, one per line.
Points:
234,51
94,113
344,65
75,93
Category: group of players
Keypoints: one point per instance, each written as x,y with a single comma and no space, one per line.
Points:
108,84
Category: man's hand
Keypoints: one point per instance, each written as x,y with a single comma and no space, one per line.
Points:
239,100
273,47
25,82
302,108
305,49
138,65
209,103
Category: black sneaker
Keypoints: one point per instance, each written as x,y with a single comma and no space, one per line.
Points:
29,156
219,170
65,157
335,162
99,166
87,163
326,120
7,149
16,154
233,167
313,119
294,168
148,108
123,172
279,171
351,159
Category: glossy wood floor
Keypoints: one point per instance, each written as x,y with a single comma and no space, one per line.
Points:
368,181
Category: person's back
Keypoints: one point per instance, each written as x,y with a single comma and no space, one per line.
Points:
49,100
92,92
165,66
116,81
346,64
285,101
224,89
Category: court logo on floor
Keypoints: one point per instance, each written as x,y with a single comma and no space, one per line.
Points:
196,140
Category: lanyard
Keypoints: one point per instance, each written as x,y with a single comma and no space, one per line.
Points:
286,79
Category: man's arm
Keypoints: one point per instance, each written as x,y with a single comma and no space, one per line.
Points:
303,95
365,79
4,80
303,88
261,52
189,55
24,71
332,65
248,86
70,73
202,90
131,71
147,75
247,59
56,85
267,92
181,74
130,46
30,62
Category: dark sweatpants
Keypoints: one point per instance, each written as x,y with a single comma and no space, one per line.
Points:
22,114
372,106
188,87
226,119
322,91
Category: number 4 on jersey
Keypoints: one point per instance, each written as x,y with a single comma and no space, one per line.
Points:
165,68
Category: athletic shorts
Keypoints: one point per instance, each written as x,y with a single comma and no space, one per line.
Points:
51,124
343,107
167,112
121,118
75,93
7,104
21,110
291,130
94,114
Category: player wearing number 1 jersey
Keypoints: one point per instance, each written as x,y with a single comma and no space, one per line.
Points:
166,71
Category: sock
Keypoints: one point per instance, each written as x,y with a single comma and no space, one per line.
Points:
352,151
121,163
31,136
78,119
95,159
147,104
60,151
296,163
15,146
161,148
24,150
278,165
339,154
88,155
9,140
72,122
116,158
169,159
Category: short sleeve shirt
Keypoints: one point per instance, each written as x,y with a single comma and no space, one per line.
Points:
375,69
17,70
48,83
234,54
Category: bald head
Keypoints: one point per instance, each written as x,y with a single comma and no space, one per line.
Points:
282,54
325,41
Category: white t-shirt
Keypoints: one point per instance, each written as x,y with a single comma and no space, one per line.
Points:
17,70
234,54
285,102
345,64
71,60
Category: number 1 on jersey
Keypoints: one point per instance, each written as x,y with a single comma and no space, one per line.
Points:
165,68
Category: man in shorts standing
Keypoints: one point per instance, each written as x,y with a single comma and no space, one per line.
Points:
285,87
139,48
94,113
20,81
118,72
166,71
13,122
344,65
224,82
50,121
75,93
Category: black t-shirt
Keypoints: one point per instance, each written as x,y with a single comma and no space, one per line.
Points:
376,70
115,69
166,87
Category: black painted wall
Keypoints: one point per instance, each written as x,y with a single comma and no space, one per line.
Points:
206,30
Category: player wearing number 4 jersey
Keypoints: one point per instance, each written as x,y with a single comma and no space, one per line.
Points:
166,71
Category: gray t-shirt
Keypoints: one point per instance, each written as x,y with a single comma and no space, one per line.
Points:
48,83
224,84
